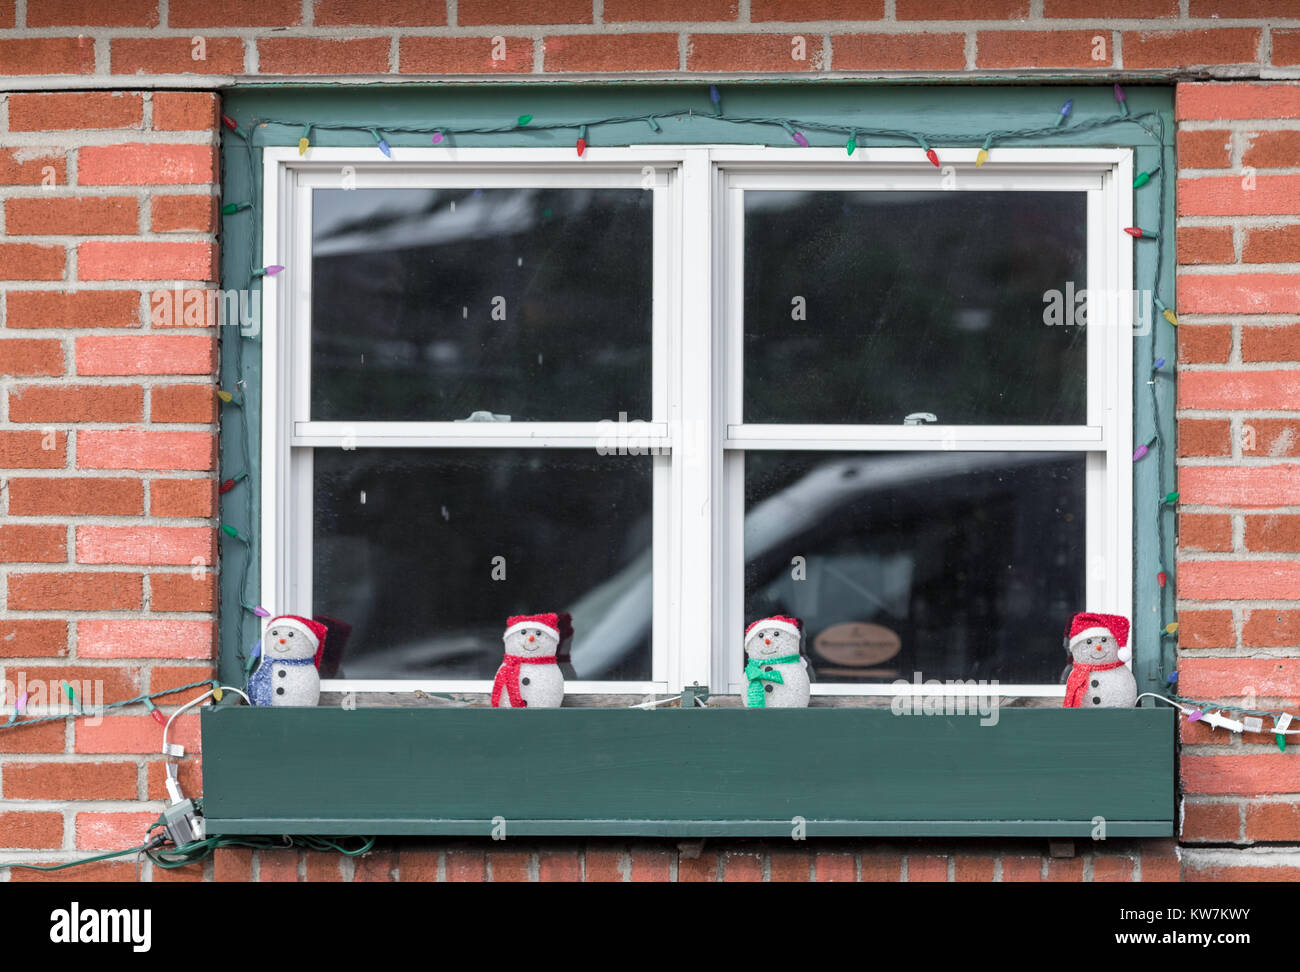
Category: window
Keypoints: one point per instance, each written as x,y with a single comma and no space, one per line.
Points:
671,390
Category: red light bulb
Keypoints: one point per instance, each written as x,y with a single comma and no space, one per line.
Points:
933,156
1134,231
582,145
229,123
1162,578
226,487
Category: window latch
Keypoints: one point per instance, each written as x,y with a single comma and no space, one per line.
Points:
920,418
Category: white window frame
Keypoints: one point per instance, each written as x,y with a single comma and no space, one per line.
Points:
695,423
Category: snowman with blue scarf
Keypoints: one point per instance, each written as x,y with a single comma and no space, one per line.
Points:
775,672
288,673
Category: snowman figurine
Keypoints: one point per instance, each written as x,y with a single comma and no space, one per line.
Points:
288,673
777,674
1098,644
529,677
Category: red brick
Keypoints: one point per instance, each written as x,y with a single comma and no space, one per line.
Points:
145,545
697,11
1234,196
1238,678
927,868
311,55
147,355
650,866
1273,244
1274,438
804,11
1204,437
611,52
128,638
31,357
1274,532
738,867
147,261
117,682
190,775
1188,48
1160,860
1204,343
1245,580
787,866
171,680
183,592
31,261
1269,628
175,55
1264,821
466,865
116,871
194,214
1275,343
325,866
752,52
92,13
145,164
27,450
367,13
75,111
279,866
76,592
464,55
76,403
1065,869
375,866
1107,869
42,737
182,497
33,544
1244,8
137,449
473,13
30,639
48,55
1206,629
962,10
1205,244
698,869
1204,150
898,52
1026,48
973,869
7,13
70,781
1084,9
38,829
20,167
1239,389
136,734
87,216
1241,775
1204,531
555,866
1286,47
1257,486
34,496
1022,869
234,13
509,866
602,866
184,111
232,864
83,308
1272,150
1227,101
878,866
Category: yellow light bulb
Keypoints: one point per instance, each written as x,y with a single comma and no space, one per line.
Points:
303,143
981,157
1170,317
225,396
1171,627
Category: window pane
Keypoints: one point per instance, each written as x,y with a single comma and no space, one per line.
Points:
956,565
405,541
864,307
431,304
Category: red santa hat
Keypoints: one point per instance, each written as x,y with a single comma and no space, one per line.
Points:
313,631
1088,625
793,625
520,621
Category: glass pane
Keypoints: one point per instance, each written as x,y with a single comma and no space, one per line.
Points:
431,304
865,307
405,548
954,565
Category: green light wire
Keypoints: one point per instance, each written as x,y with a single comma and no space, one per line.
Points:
111,705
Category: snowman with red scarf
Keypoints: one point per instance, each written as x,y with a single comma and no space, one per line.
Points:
529,676
1098,644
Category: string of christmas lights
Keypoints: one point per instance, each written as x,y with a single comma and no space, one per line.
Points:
1211,713
78,710
1065,125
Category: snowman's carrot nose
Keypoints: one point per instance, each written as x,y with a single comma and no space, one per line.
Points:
767,641
531,638
281,641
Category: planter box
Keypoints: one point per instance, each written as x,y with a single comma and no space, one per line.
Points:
687,772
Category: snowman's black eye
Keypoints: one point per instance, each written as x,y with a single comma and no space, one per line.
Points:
290,634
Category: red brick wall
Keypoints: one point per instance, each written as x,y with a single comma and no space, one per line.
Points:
107,434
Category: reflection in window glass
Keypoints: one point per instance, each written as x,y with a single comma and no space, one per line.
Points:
864,307
406,548
956,565
431,304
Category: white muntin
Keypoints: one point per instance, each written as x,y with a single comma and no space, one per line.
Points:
529,676
776,674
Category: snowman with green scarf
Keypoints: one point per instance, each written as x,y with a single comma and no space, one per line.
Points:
775,673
